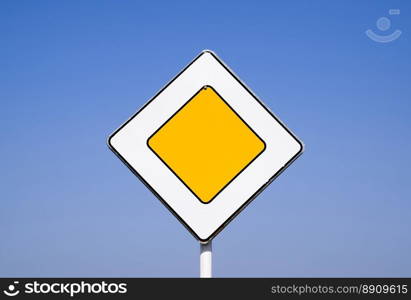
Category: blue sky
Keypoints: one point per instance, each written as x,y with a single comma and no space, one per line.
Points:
72,71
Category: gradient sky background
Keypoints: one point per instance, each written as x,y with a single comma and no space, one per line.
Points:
71,72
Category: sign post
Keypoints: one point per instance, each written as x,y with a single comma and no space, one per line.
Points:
206,260
206,146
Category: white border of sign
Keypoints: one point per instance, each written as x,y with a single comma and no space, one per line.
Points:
204,221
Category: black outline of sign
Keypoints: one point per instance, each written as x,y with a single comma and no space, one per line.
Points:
235,176
244,205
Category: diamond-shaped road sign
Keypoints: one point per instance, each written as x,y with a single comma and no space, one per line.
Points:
205,145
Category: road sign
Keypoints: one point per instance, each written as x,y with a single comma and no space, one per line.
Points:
205,145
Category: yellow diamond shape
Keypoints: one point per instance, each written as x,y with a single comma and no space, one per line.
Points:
206,144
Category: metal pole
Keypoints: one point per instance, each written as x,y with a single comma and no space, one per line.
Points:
206,260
